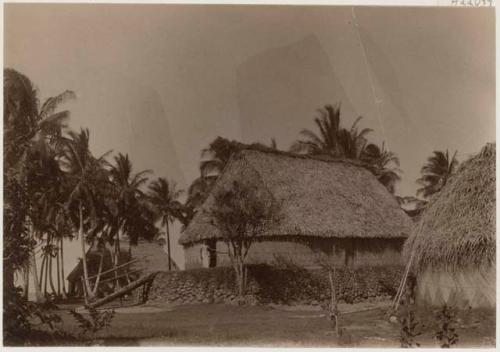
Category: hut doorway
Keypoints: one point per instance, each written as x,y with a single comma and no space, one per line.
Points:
212,253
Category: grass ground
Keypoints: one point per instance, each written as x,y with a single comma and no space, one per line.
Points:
225,325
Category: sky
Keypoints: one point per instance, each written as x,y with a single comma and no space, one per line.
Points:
160,82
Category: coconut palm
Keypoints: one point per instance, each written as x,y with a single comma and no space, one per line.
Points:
332,139
26,120
436,172
128,194
46,185
28,124
327,142
352,143
384,164
89,184
163,196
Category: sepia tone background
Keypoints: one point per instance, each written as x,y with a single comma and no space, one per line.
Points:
160,82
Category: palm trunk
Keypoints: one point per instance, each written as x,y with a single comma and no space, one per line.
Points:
98,278
117,260
38,284
168,248
42,268
84,255
63,279
58,273
51,276
46,275
26,279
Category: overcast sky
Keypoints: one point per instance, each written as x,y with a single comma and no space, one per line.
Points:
161,81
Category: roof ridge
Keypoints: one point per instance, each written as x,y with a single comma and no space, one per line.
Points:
321,157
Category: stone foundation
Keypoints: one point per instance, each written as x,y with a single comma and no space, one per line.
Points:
266,284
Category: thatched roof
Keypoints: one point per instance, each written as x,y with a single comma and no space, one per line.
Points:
93,260
317,198
153,257
457,229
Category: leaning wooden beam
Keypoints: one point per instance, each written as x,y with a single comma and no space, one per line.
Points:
114,278
123,291
117,267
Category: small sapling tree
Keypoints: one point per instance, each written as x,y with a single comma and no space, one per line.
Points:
446,334
410,327
241,212
97,321
333,312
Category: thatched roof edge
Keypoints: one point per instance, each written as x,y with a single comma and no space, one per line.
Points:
457,228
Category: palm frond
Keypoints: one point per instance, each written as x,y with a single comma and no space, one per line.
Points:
52,103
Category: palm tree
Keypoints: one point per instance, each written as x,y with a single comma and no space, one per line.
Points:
352,143
384,164
127,200
26,120
327,142
218,153
27,124
88,179
332,139
436,172
46,185
164,199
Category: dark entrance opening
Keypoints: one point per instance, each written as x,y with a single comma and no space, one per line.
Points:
212,253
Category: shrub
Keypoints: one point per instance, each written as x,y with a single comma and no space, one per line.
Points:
18,316
409,324
446,334
97,321
284,282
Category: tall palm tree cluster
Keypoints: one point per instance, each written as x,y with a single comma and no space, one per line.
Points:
338,142
56,189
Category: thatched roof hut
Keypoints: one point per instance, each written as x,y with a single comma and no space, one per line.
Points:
322,199
148,256
453,245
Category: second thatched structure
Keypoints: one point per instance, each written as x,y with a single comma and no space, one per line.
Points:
331,207
452,249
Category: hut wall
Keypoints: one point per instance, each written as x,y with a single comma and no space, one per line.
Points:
193,255
475,288
304,252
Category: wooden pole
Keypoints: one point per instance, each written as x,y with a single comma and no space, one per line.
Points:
403,281
334,314
168,248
